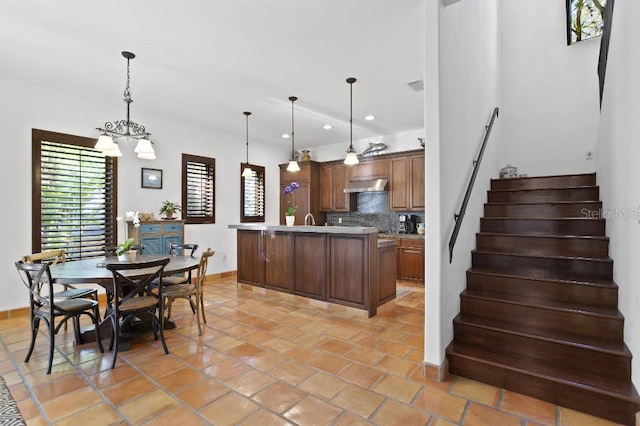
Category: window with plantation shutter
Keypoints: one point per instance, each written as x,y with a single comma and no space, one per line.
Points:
252,194
198,189
74,195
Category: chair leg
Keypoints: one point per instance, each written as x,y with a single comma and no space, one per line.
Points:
35,324
197,314
204,318
161,327
96,326
115,339
52,334
193,308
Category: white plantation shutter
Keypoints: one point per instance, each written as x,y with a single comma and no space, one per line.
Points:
198,189
252,197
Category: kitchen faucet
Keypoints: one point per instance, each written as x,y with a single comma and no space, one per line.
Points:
313,220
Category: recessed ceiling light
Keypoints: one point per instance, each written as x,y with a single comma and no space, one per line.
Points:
370,117
285,136
327,127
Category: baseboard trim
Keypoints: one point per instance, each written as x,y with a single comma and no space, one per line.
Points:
439,373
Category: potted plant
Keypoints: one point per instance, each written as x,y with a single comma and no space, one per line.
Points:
168,209
290,213
124,251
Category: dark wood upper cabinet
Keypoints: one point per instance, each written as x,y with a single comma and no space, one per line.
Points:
369,169
307,197
406,183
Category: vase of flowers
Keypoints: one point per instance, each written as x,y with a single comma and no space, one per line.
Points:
124,252
290,213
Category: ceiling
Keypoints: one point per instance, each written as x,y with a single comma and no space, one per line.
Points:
206,62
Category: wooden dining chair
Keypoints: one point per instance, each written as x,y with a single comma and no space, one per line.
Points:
190,291
53,257
134,296
37,278
183,278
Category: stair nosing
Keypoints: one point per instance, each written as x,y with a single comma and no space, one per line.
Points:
544,203
544,218
545,177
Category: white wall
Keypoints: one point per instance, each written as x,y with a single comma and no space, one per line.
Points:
26,106
405,141
618,156
549,108
468,92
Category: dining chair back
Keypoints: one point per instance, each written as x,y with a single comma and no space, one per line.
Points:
135,297
180,250
37,278
183,249
190,291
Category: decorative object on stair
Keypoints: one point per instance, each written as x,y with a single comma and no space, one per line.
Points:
540,313
508,172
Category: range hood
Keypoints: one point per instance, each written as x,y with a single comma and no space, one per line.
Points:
375,185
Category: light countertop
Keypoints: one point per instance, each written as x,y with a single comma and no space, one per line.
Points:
358,230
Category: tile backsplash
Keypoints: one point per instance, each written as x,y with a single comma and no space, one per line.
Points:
373,210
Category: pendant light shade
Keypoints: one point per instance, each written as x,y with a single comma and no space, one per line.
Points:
293,164
352,157
247,172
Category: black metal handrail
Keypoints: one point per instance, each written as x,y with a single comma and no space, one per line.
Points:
476,165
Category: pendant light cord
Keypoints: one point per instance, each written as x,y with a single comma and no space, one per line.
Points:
292,99
247,114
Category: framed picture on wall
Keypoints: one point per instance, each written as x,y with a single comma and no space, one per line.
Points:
585,19
152,178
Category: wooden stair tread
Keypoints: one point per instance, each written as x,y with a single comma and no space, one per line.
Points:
591,382
546,189
578,340
540,256
560,237
544,203
527,276
595,311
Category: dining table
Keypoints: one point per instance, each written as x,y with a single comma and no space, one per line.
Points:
94,270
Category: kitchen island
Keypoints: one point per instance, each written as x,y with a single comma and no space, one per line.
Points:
337,264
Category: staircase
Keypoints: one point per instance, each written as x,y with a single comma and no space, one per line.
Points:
540,313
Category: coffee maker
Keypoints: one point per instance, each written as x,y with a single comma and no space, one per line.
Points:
407,223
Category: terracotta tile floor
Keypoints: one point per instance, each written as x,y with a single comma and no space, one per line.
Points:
264,359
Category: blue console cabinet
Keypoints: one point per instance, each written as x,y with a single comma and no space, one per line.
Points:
157,235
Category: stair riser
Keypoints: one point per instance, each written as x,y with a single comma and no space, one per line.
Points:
594,227
545,267
613,367
544,195
581,294
541,318
550,210
579,247
544,182
577,398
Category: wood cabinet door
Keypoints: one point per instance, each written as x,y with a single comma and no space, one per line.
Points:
348,272
399,184
369,169
250,259
326,188
310,261
340,199
413,264
278,249
417,182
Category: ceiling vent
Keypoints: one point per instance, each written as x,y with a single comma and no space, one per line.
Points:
416,86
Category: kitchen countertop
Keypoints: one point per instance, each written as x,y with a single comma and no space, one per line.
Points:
321,229
397,235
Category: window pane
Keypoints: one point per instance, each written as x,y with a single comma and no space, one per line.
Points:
198,189
252,196
73,195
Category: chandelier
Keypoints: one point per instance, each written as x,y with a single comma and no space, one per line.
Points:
125,130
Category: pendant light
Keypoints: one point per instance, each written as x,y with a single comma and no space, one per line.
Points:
352,157
125,130
293,164
247,172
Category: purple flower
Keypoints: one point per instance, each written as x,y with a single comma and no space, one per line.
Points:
291,187
288,190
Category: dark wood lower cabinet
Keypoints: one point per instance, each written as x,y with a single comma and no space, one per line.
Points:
277,260
347,269
309,265
250,258
410,254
